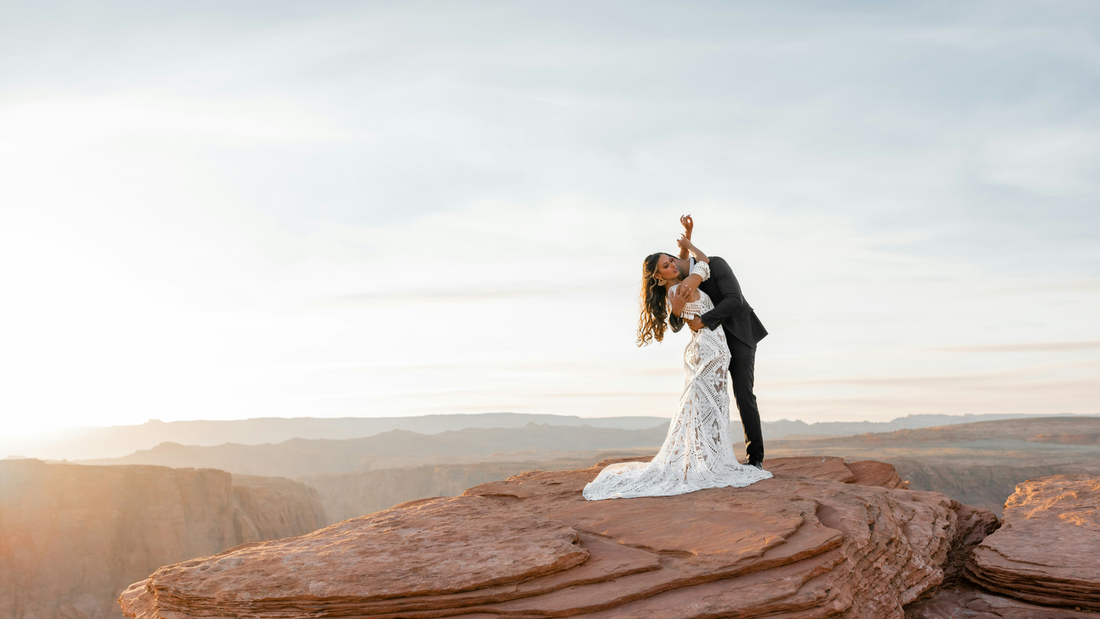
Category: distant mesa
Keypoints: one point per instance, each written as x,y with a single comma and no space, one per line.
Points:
1079,438
977,464
394,449
117,441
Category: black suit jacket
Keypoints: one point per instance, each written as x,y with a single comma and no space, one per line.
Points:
731,310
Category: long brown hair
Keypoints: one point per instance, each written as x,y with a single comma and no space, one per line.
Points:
652,322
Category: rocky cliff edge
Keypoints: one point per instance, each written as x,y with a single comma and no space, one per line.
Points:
72,537
822,539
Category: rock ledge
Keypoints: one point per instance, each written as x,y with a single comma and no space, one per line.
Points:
1048,551
812,542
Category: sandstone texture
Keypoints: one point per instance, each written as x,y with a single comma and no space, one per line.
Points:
969,603
812,542
73,537
1048,551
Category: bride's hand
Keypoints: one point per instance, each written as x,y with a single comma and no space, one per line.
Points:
688,224
684,242
686,290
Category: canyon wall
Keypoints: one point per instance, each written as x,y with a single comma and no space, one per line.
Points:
977,464
985,486
73,537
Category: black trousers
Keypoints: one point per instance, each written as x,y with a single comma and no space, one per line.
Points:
742,370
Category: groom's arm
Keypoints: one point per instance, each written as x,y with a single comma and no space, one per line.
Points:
732,300
675,322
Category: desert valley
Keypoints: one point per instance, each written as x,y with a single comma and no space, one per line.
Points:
75,534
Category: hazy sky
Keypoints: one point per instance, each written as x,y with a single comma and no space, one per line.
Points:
223,210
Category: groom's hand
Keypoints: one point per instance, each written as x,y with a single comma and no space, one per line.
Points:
696,323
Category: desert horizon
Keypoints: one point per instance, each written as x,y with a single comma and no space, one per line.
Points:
229,493
92,442
976,459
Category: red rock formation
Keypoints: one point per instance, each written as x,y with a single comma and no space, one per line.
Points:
1048,551
531,546
1068,439
871,473
967,603
976,524
72,537
814,467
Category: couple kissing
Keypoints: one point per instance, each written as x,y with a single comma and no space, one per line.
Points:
701,292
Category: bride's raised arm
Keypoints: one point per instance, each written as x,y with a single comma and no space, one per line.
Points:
685,290
688,224
687,246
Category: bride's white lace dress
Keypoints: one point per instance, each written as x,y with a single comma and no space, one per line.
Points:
698,451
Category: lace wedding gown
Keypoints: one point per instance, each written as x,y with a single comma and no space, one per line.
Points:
698,450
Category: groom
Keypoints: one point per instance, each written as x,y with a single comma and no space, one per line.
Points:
743,331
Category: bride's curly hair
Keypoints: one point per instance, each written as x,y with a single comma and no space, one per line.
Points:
654,318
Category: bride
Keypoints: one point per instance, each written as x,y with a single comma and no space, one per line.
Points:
698,450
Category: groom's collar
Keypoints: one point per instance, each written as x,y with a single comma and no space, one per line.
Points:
691,265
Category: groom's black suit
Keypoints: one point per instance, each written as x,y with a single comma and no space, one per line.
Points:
743,331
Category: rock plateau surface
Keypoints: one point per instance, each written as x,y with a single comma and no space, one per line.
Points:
1048,551
73,537
815,541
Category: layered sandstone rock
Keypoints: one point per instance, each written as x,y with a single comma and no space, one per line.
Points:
1048,551
73,537
969,603
809,543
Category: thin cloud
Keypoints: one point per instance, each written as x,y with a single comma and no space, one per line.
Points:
465,294
1025,347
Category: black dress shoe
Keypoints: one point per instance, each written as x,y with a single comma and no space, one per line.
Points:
757,463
